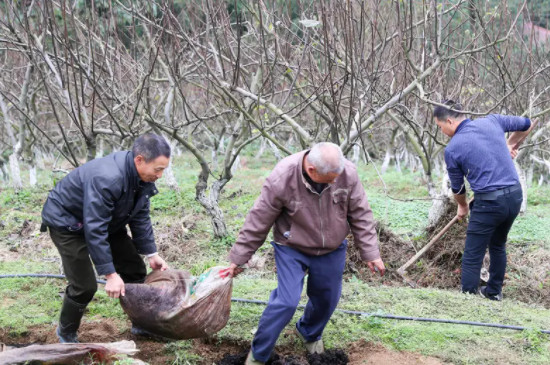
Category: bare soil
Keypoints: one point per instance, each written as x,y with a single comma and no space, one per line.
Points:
217,351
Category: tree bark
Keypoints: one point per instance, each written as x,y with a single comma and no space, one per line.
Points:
210,202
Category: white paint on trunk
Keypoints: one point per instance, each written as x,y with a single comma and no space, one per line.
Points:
523,182
100,151
440,201
15,172
261,150
275,150
32,176
386,163
356,154
236,165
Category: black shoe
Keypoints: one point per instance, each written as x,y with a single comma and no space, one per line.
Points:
69,320
137,331
483,291
66,337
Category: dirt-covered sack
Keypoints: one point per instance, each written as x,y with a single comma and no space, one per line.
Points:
72,354
176,305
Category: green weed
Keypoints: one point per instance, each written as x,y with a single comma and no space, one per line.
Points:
183,353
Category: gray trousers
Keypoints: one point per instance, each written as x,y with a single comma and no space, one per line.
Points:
78,268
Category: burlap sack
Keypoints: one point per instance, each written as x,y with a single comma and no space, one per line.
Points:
175,305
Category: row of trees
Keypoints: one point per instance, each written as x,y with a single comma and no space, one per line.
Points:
81,77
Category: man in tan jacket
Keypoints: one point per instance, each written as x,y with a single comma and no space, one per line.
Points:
311,199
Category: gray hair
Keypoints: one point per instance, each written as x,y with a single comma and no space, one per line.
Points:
151,146
326,157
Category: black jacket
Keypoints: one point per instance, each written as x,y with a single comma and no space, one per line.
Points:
98,199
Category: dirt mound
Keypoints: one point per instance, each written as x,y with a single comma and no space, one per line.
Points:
527,276
439,267
394,251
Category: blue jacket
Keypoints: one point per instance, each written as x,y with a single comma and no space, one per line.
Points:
100,198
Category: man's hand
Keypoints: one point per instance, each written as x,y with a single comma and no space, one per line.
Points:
157,263
463,208
513,150
462,211
114,286
235,270
377,265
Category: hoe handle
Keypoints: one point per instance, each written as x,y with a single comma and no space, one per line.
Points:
401,270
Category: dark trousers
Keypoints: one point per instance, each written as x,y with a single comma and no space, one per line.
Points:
324,287
78,267
490,222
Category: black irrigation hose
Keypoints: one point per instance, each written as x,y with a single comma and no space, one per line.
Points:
406,318
41,276
357,313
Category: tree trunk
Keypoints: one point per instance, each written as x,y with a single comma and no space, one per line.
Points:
32,176
398,162
91,148
523,182
236,165
263,143
529,174
4,170
170,179
440,201
210,202
389,152
15,172
275,150
101,150
169,176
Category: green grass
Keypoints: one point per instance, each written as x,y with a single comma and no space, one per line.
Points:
182,352
532,226
36,301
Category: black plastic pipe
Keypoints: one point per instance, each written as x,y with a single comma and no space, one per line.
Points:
356,313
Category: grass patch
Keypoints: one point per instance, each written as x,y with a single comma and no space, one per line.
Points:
532,226
28,302
183,353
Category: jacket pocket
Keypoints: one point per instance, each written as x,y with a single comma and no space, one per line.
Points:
340,202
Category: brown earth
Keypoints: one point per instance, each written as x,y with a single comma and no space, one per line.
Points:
215,350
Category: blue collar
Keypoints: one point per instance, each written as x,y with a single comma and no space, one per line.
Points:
461,125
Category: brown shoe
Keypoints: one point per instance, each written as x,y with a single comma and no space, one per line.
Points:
250,360
314,347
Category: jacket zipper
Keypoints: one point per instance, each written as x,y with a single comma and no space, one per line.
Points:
321,220
320,208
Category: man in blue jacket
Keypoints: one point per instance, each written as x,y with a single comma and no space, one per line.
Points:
87,213
479,151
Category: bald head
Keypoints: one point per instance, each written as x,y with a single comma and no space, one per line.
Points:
327,158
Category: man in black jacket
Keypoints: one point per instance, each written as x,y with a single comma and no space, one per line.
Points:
87,213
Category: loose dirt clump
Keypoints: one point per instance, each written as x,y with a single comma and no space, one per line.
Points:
329,357
276,359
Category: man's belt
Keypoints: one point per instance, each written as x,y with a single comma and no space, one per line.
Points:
493,195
